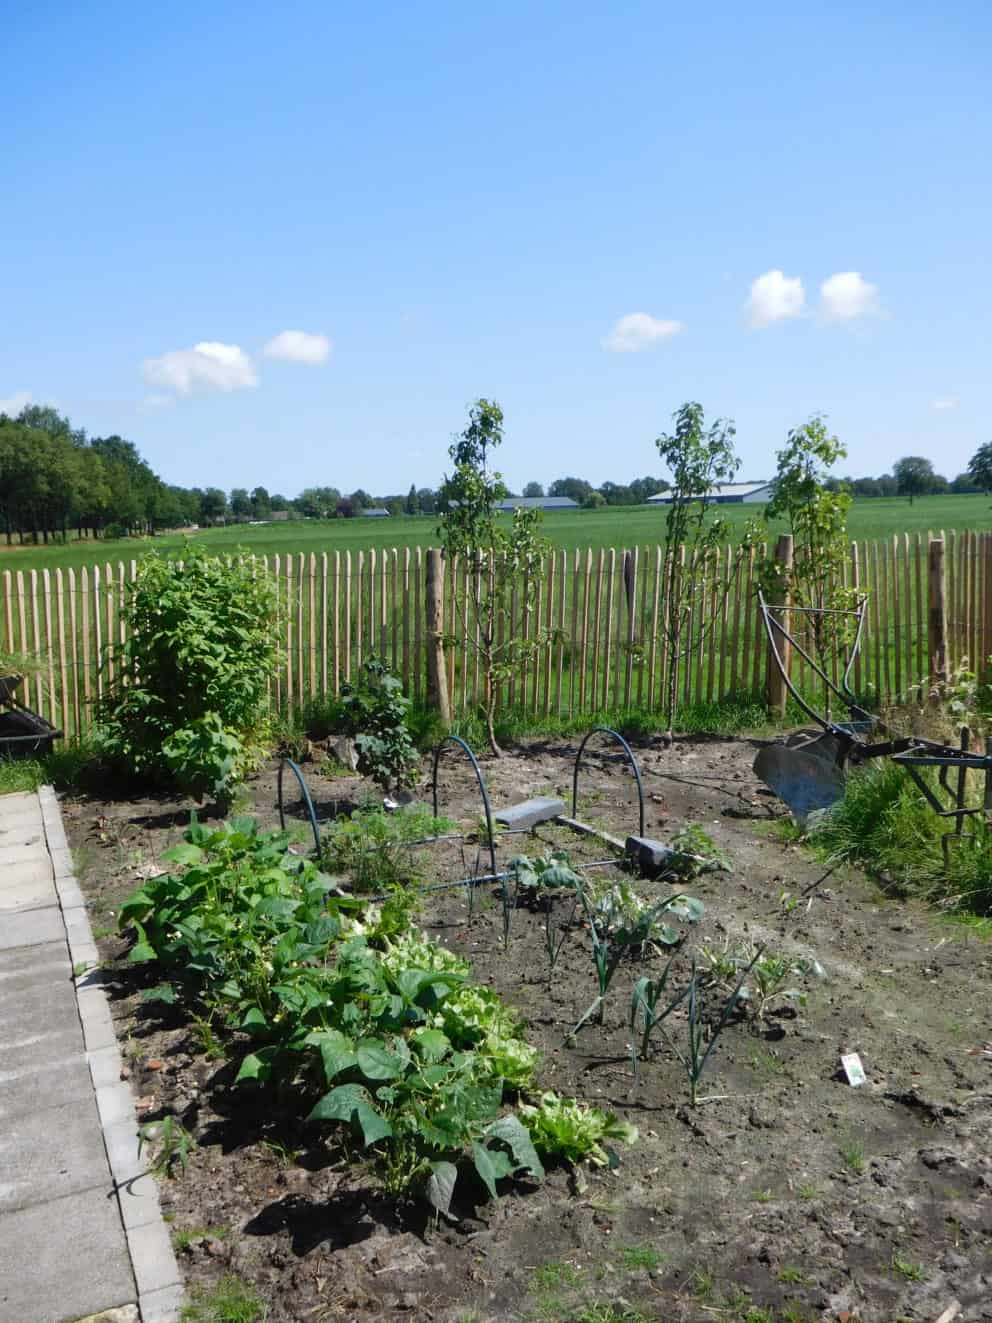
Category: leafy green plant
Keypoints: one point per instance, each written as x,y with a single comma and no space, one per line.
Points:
697,852
188,704
622,923
770,975
375,711
375,849
565,1129
172,1141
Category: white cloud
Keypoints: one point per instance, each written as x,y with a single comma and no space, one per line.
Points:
945,402
774,297
13,404
848,295
208,366
639,331
299,347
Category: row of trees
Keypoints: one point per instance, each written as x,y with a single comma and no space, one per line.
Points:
54,477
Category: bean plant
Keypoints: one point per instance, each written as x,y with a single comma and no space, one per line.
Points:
378,1032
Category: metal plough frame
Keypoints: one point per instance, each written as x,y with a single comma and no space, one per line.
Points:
853,737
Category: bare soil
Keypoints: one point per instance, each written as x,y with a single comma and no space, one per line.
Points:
786,1190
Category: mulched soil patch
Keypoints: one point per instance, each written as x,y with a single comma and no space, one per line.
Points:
789,1191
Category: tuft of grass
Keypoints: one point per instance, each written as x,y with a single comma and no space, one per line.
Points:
641,1256
789,1273
852,1153
184,1237
230,1301
884,824
611,1314
553,1276
762,1196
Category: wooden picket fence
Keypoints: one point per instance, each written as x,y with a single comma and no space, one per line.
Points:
604,606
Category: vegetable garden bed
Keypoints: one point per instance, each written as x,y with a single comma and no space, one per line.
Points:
784,1195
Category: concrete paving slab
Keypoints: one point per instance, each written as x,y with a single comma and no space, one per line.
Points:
27,885
54,1278
162,1306
51,1153
24,849
35,1003
52,1083
20,1055
53,959
153,1260
31,928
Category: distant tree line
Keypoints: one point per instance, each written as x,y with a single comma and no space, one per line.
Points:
53,478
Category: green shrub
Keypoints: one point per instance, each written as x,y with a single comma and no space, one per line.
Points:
374,710
189,707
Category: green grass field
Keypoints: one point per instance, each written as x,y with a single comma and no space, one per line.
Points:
615,526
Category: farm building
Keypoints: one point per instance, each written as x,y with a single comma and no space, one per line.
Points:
727,493
538,503
375,512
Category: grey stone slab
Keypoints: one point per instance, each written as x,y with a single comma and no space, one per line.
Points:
19,1055
27,885
36,1003
94,1014
163,1306
105,1066
43,1084
121,1139
30,928
115,1102
80,1270
123,1314
152,1259
31,845
530,813
69,894
51,1153
52,961
139,1201
62,864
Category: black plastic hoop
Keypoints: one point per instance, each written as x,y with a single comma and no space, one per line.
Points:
283,764
614,734
457,739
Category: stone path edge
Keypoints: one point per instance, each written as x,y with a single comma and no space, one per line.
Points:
156,1273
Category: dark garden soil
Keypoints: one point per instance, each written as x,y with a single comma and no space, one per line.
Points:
786,1190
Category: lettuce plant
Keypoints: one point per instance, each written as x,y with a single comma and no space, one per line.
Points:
571,1131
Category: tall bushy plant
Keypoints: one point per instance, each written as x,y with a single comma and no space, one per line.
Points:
501,563
817,519
188,706
698,458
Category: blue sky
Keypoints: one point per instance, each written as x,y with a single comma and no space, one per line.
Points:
469,200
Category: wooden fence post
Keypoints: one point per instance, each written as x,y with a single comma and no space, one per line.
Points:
938,612
775,686
982,664
437,678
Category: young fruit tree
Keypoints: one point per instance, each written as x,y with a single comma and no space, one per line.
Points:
698,458
501,562
817,519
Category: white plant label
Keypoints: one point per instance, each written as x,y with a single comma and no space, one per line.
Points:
853,1069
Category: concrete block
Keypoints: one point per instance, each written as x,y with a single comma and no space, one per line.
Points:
650,857
115,1103
121,1139
94,1014
163,1306
61,861
154,1263
31,928
64,1259
69,894
105,1066
530,813
50,1153
139,1201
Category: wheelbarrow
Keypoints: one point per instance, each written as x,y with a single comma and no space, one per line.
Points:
23,733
